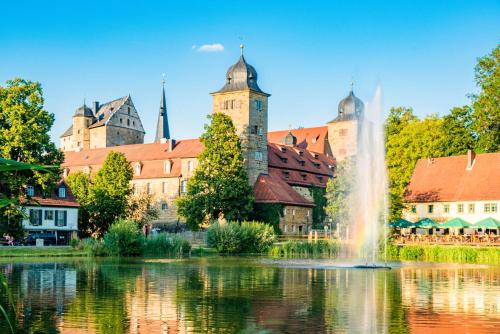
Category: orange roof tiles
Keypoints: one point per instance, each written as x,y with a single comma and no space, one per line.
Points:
447,179
271,189
312,139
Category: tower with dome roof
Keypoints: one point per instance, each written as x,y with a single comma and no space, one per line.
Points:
242,99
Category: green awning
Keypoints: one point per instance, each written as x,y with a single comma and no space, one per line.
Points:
426,223
402,223
489,223
455,223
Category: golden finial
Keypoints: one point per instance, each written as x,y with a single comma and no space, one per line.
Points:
241,48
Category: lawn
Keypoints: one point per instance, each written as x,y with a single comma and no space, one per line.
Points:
32,251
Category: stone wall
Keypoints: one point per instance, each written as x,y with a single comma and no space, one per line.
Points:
343,138
250,120
296,220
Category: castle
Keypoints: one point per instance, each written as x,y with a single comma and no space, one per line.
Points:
282,166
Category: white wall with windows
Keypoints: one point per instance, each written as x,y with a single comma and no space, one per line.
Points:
471,211
51,218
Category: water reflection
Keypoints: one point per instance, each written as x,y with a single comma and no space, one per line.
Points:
247,296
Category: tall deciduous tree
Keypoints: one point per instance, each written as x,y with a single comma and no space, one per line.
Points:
457,126
103,199
219,186
407,140
141,209
24,137
338,192
486,104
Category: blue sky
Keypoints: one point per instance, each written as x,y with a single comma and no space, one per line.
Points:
422,53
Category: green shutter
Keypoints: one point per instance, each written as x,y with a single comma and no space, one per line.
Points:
56,216
65,218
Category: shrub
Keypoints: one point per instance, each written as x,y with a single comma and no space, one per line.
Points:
124,238
166,244
92,246
234,238
75,242
320,248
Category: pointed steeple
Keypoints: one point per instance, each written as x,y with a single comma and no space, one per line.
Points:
162,130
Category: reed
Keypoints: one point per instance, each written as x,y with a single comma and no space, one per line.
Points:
320,248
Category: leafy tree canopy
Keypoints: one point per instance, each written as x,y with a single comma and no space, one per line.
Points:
219,186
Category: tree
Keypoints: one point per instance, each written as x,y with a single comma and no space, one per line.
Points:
104,199
219,186
140,208
24,137
338,191
486,104
457,126
408,139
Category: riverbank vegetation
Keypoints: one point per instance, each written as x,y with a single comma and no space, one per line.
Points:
320,248
236,238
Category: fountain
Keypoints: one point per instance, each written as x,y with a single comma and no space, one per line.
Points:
368,199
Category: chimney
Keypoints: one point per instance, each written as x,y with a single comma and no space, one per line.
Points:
471,158
171,145
95,107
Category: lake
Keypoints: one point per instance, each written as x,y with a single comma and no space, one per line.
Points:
249,295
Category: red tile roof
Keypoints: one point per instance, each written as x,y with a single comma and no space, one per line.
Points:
312,139
189,148
447,179
54,199
271,189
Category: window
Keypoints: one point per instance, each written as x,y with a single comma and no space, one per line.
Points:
61,218
460,208
286,174
36,217
30,191
260,132
78,144
137,169
343,132
472,208
121,121
308,212
286,228
293,212
164,206
164,187
62,192
490,207
258,156
304,176
254,129
258,105
49,215
183,186
128,122
149,189
413,209
128,110
430,208
133,123
167,166
446,208
190,166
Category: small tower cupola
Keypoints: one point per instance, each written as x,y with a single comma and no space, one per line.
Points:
83,111
350,106
289,139
162,129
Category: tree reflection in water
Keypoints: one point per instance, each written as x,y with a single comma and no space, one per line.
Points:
245,295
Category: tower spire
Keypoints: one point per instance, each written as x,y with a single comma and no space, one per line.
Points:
162,129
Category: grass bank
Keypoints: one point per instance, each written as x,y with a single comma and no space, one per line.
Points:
450,254
47,251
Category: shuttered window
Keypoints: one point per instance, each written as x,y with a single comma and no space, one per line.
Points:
36,217
61,218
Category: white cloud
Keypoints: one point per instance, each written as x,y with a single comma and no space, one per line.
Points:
216,47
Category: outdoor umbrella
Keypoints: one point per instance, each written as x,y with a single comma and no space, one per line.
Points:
426,223
402,223
488,223
455,223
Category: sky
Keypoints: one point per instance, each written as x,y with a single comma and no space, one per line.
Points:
421,53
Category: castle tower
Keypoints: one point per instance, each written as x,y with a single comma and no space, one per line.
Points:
246,104
162,129
343,130
82,119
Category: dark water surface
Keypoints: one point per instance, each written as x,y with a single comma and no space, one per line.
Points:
249,295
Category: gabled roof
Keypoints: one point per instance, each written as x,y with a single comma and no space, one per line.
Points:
448,179
312,139
54,199
107,110
68,132
188,148
271,189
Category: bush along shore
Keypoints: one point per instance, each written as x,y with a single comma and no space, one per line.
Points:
304,249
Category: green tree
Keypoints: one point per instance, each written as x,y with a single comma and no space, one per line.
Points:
457,126
318,212
486,104
24,137
141,209
408,139
219,186
103,199
338,191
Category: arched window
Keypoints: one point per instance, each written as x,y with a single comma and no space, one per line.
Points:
167,167
128,122
137,169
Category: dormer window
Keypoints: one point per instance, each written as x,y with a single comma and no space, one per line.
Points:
30,191
315,155
320,178
86,170
301,153
317,165
137,169
283,149
167,167
65,172
189,165
284,160
302,162
286,174
61,192
304,176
